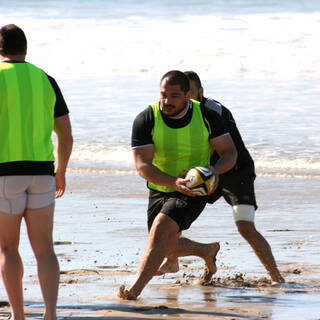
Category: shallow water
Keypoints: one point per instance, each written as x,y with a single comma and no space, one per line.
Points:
104,235
108,58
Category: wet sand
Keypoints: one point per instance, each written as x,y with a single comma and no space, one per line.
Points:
100,235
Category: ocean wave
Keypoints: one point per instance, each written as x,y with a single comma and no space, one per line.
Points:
261,173
308,175
288,165
224,45
120,161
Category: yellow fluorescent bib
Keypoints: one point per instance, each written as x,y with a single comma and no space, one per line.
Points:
27,102
179,149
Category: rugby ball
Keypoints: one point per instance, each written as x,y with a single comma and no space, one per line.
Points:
201,181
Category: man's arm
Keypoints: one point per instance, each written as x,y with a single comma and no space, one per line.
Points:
62,128
220,138
227,151
143,157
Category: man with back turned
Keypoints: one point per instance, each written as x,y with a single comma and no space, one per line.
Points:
31,108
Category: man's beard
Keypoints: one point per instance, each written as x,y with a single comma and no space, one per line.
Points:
172,115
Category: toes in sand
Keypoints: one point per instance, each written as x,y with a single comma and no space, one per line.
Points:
125,294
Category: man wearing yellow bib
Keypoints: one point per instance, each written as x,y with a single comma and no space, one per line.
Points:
236,186
31,108
168,138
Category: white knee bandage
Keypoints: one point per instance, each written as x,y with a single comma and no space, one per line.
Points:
244,212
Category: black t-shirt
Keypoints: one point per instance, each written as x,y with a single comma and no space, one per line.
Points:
244,164
143,124
37,167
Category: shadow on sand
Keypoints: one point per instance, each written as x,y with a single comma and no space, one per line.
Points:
102,311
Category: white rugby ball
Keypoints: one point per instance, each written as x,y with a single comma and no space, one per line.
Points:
201,181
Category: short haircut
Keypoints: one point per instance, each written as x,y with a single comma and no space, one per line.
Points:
12,40
194,77
175,77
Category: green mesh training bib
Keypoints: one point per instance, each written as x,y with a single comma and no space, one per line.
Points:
179,149
27,102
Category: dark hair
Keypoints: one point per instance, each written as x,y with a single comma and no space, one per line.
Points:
175,77
194,77
12,40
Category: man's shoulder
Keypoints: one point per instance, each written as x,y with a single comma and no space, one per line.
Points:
216,106
212,109
146,114
43,74
213,105
142,128
144,119
35,67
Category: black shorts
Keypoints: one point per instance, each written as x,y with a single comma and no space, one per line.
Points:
182,209
235,189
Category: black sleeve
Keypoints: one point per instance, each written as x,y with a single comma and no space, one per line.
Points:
142,128
60,108
227,115
214,122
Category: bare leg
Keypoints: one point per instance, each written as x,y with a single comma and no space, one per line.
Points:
40,226
10,262
162,240
261,248
169,265
187,247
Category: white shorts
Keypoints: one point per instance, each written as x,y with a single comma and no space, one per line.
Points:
18,193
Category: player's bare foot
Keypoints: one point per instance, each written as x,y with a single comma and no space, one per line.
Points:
125,294
277,279
210,268
168,266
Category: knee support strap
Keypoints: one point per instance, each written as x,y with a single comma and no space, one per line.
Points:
243,212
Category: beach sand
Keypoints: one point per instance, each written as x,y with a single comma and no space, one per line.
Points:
100,234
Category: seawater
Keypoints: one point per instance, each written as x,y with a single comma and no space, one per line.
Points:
258,58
